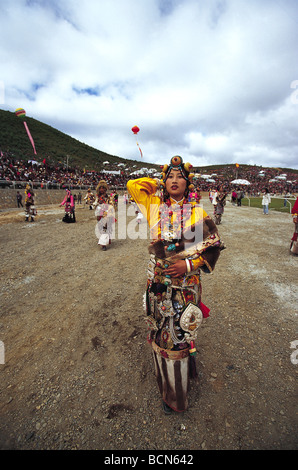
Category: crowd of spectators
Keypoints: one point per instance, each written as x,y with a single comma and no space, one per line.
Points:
18,173
277,182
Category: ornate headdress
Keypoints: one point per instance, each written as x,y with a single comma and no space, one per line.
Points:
102,184
176,163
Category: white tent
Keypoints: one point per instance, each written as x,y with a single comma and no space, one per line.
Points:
240,181
142,171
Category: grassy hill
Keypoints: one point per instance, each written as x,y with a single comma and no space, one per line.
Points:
51,144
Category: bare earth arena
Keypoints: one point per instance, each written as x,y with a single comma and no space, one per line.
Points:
76,371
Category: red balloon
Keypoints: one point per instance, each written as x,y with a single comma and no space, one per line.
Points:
135,129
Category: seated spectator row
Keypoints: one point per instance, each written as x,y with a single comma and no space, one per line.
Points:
16,173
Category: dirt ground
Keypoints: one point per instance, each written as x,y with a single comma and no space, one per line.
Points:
78,372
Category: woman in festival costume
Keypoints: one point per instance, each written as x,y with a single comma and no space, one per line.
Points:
69,204
105,214
294,240
30,210
220,204
185,241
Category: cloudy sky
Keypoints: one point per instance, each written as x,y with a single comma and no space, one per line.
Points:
215,81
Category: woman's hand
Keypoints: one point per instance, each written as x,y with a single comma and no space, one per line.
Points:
176,270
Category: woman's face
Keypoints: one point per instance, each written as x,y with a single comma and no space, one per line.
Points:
176,185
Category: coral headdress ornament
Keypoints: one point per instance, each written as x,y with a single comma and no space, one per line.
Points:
176,163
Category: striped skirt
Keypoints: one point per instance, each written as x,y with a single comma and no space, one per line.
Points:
172,373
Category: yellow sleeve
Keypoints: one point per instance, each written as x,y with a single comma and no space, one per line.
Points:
143,191
200,213
197,263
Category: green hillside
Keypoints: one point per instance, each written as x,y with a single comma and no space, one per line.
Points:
51,144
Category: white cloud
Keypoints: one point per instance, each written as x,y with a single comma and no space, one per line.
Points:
208,80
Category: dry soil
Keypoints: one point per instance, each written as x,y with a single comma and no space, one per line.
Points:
78,373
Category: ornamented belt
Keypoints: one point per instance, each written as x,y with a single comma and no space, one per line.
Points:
173,355
156,274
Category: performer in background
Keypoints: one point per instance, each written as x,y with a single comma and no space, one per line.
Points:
89,198
174,310
220,204
30,209
69,204
294,240
105,215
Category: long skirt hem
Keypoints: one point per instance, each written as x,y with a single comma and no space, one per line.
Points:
172,373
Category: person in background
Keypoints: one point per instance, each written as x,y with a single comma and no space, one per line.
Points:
19,199
266,201
211,194
104,213
294,240
30,210
69,203
234,197
221,202
239,196
89,198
